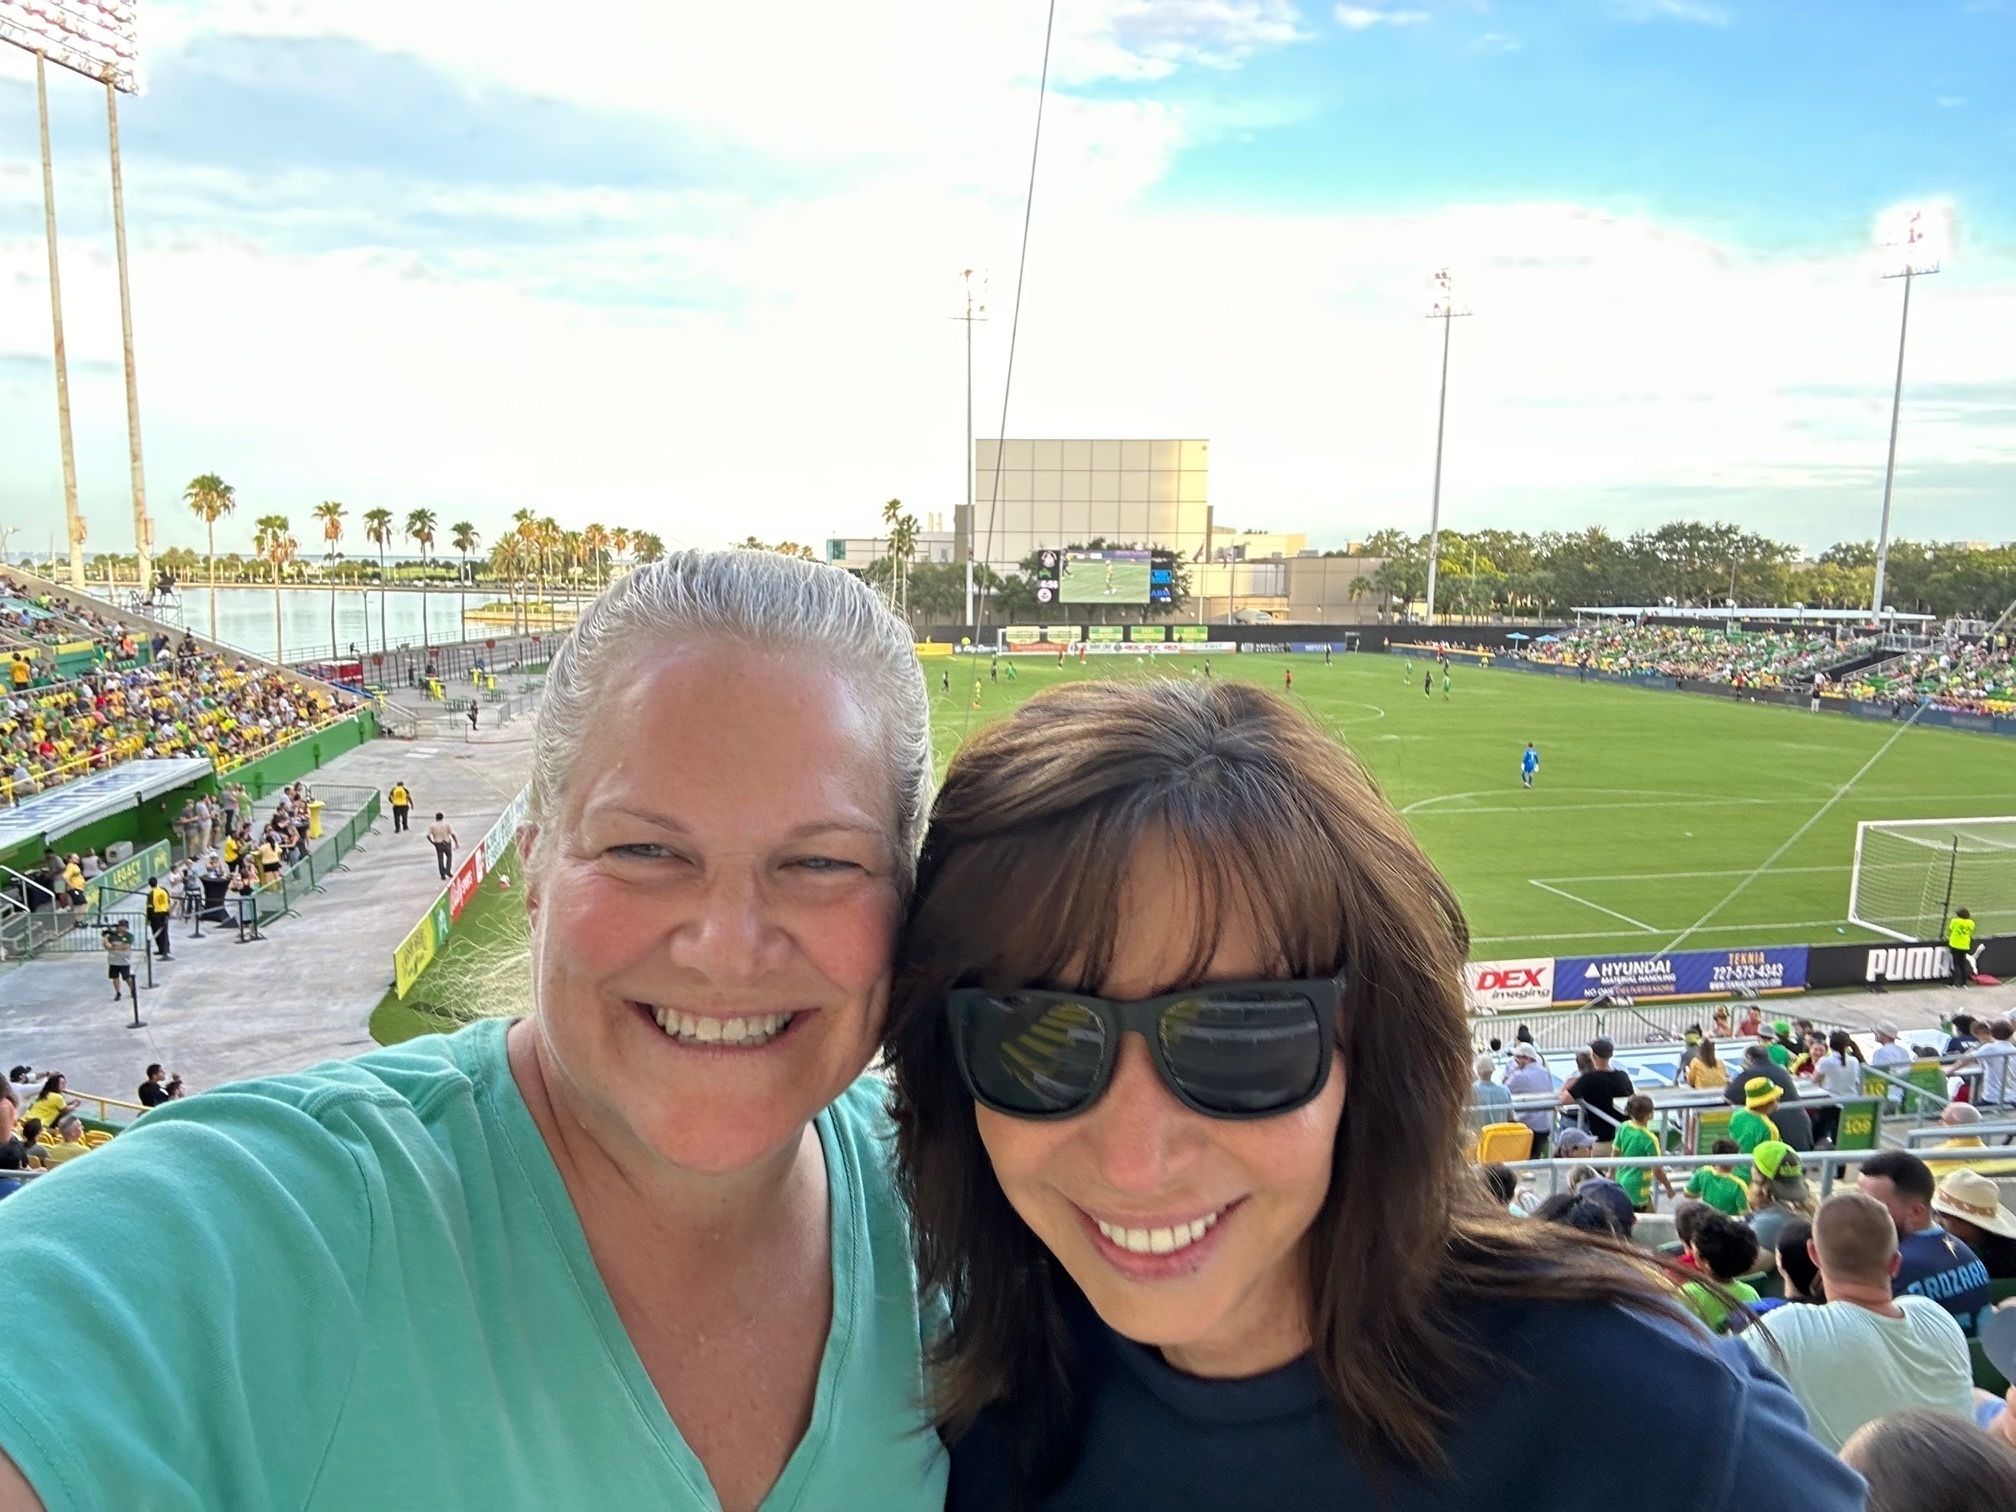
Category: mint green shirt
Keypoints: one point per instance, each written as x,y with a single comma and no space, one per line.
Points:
364,1286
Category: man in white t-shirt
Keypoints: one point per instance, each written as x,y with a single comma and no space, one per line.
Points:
1890,1057
1994,1055
1863,1353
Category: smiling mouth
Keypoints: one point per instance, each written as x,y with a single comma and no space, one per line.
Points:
750,1032
1168,1240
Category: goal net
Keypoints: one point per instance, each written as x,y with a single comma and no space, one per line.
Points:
1910,874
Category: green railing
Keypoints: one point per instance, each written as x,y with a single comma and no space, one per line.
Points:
281,895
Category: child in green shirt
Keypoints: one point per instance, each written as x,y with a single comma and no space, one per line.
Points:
1635,1138
1723,1250
1716,1187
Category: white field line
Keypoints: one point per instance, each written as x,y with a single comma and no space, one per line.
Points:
1800,833
1783,871
1560,893
1632,934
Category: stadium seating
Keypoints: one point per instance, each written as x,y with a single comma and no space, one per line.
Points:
122,695
1971,675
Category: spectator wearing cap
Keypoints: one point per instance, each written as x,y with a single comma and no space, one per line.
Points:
1969,1206
1890,1058
1716,1187
1932,1262
1724,1251
1779,1044
1794,1126
1529,1077
1752,1124
1598,1091
1778,1192
1489,1102
1863,1352
1574,1143
1613,1199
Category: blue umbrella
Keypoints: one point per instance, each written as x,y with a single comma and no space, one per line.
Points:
1515,635
1550,638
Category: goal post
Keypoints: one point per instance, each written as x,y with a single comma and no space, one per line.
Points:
1910,874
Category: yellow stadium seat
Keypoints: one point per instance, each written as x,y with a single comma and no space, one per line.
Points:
1503,1141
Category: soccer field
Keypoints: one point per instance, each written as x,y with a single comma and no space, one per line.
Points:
1654,813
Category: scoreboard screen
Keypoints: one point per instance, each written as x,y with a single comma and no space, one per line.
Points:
1104,577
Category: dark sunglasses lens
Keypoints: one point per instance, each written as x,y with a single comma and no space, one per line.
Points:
1032,1053
1244,1052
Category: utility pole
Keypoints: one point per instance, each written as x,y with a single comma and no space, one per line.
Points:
143,531
1445,311
71,518
1913,235
973,312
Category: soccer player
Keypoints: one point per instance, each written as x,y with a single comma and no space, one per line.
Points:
1445,682
1428,684
1529,764
1326,656
945,680
1288,679
1960,940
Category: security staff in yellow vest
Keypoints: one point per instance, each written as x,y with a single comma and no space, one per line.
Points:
401,802
159,906
1960,940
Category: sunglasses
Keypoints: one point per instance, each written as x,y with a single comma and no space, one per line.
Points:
1225,1049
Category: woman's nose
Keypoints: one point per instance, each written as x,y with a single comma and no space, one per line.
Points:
725,930
1141,1136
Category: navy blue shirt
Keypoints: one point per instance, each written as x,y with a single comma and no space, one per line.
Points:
1677,1423
1937,1265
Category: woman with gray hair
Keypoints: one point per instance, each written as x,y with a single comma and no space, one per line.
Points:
640,1248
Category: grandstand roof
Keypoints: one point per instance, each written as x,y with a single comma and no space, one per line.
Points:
1792,615
102,794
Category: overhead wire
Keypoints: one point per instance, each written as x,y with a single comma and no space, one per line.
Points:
1014,329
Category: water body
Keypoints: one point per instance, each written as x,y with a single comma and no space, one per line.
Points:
245,619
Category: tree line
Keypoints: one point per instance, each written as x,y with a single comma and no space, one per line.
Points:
1684,563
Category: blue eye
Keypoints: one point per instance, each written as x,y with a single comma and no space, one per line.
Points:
825,864
645,852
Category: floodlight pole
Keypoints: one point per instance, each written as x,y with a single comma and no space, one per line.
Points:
1896,405
1444,311
71,518
972,464
143,534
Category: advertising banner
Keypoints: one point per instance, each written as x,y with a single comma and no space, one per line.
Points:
1148,632
413,954
128,876
1684,973
1190,632
1878,965
505,831
1105,634
462,886
1495,986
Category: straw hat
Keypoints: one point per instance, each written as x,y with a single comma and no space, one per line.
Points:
1761,1092
1975,1198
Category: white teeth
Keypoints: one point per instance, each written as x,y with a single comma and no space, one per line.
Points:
701,1030
1159,1241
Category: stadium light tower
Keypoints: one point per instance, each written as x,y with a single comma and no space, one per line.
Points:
98,39
973,312
1445,311
1917,263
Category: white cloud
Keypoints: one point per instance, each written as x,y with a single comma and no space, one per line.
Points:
1364,17
1497,42
1697,12
711,365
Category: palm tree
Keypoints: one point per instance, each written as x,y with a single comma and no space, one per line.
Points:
210,498
647,546
272,539
420,527
619,540
330,513
595,542
378,530
465,540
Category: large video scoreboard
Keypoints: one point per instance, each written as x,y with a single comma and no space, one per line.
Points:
1104,577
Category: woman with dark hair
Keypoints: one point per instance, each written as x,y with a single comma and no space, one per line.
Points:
1180,1058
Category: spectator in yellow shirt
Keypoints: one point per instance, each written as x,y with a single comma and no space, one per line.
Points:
1960,940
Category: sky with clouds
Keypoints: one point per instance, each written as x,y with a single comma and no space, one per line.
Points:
692,267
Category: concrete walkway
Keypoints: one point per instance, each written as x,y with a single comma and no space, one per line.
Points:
220,1010
1909,1008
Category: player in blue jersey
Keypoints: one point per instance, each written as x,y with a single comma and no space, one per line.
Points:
1529,764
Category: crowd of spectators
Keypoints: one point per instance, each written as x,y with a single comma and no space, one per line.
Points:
1743,659
1978,675
142,697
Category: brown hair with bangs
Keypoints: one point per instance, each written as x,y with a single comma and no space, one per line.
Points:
1021,883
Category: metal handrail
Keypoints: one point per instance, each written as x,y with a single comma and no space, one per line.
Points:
105,1103
1827,1162
1954,1131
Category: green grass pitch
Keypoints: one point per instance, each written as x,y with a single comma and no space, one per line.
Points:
1651,810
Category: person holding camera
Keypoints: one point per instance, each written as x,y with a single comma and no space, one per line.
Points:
118,940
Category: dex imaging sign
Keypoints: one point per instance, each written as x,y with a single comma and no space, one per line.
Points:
1495,986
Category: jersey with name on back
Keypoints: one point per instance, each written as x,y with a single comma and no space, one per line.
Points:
1938,1266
